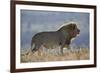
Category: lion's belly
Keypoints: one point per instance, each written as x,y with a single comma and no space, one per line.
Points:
51,45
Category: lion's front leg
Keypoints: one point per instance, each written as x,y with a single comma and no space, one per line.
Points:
61,49
68,47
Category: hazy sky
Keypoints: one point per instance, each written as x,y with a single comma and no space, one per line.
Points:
33,22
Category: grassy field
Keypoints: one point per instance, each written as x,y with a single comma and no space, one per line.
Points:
53,55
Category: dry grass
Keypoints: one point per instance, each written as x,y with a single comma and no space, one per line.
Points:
75,54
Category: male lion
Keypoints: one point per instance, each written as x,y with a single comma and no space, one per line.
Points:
62,37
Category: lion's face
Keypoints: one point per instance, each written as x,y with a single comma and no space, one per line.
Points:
74,31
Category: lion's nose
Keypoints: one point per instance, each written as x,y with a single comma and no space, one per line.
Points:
78,31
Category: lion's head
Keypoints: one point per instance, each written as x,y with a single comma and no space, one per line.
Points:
70,30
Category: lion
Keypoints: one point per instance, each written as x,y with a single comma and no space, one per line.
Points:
62,37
